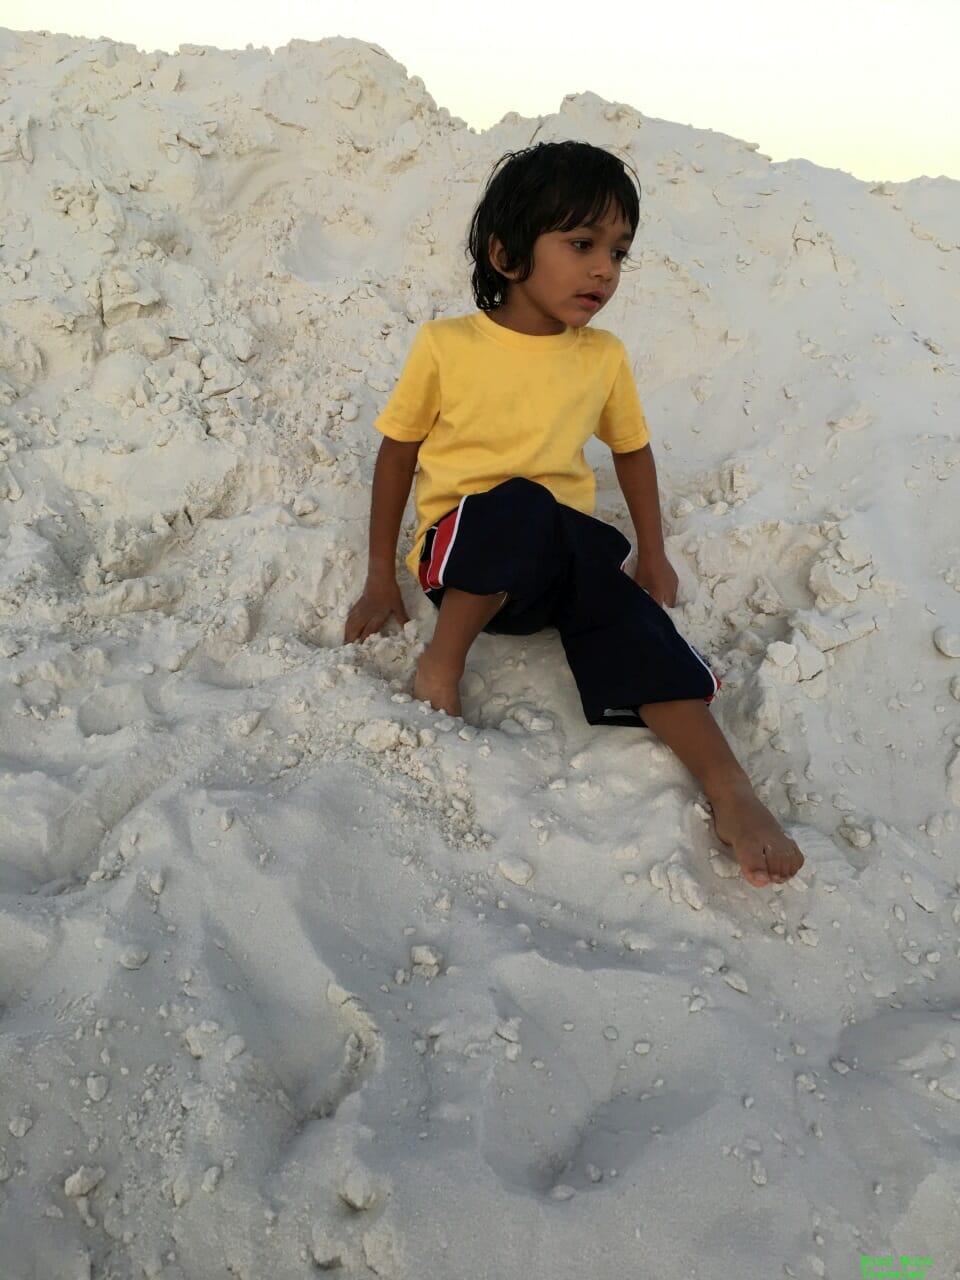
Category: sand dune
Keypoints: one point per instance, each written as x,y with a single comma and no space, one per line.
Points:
296,974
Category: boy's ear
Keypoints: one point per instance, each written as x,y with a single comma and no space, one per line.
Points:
498,257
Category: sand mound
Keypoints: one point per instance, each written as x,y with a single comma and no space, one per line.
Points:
295,974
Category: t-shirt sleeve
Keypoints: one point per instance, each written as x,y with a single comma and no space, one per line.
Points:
622,424
414,404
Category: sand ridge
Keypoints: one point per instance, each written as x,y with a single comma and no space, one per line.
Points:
297,974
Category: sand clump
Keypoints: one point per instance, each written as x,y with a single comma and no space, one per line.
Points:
289,962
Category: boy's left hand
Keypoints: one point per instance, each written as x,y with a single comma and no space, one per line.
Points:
658,578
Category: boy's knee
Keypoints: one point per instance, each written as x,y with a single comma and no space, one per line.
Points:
509,539
526,499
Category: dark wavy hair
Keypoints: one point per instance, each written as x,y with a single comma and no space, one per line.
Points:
554,186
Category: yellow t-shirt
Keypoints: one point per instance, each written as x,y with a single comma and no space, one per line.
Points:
490,404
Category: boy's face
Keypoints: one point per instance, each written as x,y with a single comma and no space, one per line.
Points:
575,274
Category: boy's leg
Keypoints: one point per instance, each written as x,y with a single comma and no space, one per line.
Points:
761,846
461,618
633,667
496,545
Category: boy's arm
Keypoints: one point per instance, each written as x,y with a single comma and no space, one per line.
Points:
392,477
637,476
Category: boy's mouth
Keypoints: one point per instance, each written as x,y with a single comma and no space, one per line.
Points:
595,299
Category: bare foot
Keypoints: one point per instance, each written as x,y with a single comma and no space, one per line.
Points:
438,685
761,846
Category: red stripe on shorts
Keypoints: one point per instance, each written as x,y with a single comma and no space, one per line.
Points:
430,569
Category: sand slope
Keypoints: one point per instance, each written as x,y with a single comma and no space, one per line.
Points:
295,973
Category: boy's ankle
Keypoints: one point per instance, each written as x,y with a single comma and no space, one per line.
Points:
438,685
442,663
726,781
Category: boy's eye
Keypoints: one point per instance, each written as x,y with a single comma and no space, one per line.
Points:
623,253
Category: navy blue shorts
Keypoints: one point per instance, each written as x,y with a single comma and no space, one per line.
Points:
561,568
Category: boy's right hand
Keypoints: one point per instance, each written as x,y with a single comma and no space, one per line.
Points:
380,599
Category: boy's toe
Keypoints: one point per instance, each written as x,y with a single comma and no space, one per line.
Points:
777,864
784,861
755,866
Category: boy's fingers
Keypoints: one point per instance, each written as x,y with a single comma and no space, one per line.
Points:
356,620
361,624
354,626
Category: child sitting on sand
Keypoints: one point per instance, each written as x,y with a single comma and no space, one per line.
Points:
496,408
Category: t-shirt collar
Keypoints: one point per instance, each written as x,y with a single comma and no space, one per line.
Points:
524,341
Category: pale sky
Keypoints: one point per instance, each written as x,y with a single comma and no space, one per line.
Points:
868,86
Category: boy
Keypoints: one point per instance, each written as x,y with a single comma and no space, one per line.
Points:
496,408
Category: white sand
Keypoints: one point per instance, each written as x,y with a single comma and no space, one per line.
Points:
296,974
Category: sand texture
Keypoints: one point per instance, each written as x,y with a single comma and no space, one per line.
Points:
299,976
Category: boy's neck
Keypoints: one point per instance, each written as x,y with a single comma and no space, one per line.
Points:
532,323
